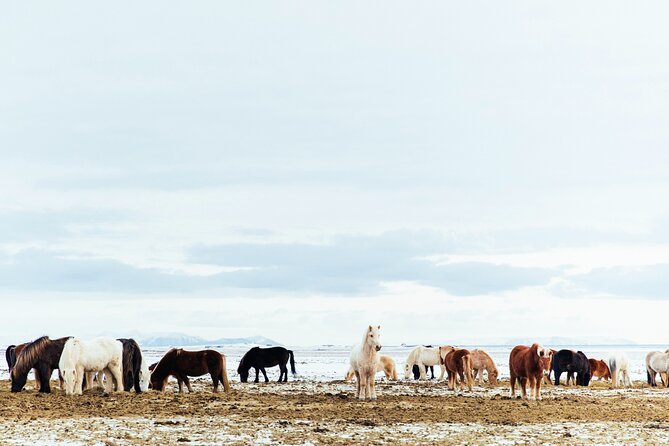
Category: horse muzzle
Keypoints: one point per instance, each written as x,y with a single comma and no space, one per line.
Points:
378,347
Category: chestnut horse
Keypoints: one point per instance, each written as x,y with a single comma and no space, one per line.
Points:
599,369
181,364
458,364
528,364
482,361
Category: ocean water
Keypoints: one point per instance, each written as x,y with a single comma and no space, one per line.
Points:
331,362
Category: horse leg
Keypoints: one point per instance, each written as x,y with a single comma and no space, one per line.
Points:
363,384
512,381
357,380
78,389
422,369
373,386
214,378
443,370
61,380
531,380
557,373
118,377
283,371
523,386
264,373
257,373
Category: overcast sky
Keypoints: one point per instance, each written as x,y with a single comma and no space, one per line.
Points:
454,171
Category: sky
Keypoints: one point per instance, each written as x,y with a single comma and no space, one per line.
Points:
457,172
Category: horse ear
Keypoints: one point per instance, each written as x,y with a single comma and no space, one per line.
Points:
378,327
370,328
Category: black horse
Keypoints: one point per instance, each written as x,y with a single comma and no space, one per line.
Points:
416,371
43,354
259,358
572,362
132,365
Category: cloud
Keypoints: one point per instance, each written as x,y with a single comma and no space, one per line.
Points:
348,265
648,281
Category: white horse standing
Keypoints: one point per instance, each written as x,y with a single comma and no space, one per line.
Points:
422,357
657,362
364,359
99,355
619,365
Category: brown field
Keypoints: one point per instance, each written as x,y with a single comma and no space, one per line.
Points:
326,413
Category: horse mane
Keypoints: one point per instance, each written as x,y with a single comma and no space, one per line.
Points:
161,370
30,355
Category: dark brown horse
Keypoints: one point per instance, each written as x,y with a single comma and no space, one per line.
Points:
43,354
458,363
12,352
181,364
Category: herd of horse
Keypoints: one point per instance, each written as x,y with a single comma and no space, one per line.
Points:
531,365
119,365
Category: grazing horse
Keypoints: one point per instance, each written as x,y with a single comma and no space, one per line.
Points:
259,358
135,370
422,357
181,364
386,365
528,364
573,363
619,366
458,364
482,361
599,369
364,358
43,355
88,357
657,362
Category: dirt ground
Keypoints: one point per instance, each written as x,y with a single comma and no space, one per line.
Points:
300,413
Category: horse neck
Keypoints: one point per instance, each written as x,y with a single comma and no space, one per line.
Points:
368,350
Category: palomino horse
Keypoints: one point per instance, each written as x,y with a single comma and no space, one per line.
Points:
259,358
43,355
528,364
573,363
619,366
599,369
386,365
423,356
458,364
88,357
482,361
181,364
364,358
657,362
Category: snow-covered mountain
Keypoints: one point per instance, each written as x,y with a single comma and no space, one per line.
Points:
181,340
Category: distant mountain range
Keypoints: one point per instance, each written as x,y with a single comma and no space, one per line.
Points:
562,341
181,340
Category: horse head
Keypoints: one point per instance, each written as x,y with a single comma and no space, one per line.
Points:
373,337
18,381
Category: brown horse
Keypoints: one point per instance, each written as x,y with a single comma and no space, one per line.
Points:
482,361
599,369
458,364
43,355
528,364
181,364
12,352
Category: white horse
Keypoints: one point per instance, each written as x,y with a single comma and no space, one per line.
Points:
423,356
99,355
144,375
657,362
619,365
364,359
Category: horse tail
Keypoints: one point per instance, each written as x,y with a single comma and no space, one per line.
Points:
292,362
467,368
10,355
224,375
